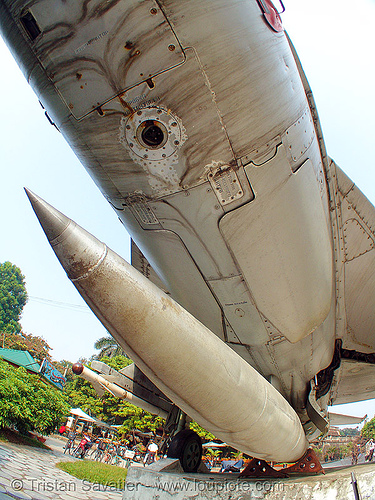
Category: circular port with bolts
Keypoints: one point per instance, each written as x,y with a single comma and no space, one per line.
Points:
152,134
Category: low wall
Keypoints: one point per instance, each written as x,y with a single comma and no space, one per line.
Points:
166,480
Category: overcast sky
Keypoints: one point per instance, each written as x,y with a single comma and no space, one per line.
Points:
334,41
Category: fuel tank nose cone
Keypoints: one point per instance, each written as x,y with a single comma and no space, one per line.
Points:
77,250
52,221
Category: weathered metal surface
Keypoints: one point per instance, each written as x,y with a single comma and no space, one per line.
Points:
170,346
298,138
243,112
225,183
294,259
308,464
354,381
93,51
260,468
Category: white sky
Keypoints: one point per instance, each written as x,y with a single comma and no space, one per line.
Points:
334,40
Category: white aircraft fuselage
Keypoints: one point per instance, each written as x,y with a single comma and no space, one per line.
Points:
197,124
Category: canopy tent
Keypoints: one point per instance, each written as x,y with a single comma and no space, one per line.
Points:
81,415
211,444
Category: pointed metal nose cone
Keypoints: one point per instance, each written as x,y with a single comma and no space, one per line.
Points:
77,250
52,221
202,375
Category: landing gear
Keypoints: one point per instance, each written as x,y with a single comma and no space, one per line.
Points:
186,445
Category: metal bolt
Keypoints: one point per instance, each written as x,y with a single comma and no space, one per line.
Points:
171,47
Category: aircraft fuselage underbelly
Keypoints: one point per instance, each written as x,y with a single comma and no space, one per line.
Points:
192,119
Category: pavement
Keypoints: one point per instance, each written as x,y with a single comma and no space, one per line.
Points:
345,462
29,473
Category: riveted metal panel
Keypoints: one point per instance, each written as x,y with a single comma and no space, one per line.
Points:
288,266
298,138
95,50
354,382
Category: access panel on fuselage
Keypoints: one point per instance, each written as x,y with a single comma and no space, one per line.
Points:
93,51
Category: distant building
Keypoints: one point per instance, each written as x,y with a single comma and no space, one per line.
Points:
334,440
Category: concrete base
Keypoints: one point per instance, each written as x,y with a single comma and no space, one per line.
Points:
165,480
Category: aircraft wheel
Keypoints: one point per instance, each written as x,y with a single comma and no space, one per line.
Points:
187,447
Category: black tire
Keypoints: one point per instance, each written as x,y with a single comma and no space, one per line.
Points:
68,447
187,447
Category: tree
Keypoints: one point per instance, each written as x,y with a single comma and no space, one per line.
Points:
117,362
36,346
13,297
108,347
368,430
207,436
133,417
349,431
27,402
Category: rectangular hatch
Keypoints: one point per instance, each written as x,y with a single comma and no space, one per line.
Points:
94,51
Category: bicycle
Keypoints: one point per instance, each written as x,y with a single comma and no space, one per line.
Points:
98,455
69,445
82,449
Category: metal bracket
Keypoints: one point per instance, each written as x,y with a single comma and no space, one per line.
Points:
306,465
260,468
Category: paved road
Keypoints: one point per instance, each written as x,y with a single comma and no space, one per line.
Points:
345,462
30,474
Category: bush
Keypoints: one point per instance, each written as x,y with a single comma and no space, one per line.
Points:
28,403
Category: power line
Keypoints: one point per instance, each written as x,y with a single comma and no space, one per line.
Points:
61,305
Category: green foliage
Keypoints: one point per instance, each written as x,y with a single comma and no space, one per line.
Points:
135,418
36,346
368,430
348,431
205,435
334,451
213,453
81,394
108,347
13,297
28,403
117,362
